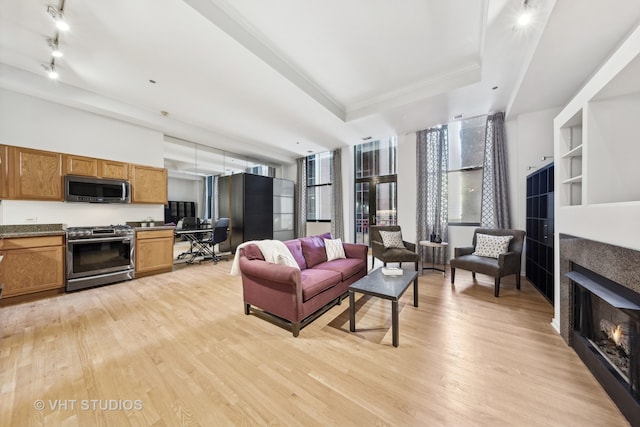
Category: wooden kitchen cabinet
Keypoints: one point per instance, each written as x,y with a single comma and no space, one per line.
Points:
4,171
112,169
34,174
79,165
154,252
89,166
148,184
31,264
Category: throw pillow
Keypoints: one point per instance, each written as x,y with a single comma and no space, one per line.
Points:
288,261
313,250
334,249
491,246
392,239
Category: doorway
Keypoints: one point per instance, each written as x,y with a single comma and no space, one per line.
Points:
376,204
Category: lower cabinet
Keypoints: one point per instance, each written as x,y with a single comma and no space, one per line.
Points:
154,252
31,264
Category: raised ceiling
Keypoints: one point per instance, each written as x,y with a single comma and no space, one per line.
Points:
278,80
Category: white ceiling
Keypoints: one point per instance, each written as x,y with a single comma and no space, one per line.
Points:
280,79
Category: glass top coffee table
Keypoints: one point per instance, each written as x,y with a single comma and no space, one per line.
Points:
382,286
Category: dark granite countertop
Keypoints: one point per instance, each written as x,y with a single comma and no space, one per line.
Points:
32,230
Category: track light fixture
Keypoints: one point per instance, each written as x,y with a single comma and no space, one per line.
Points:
58,16
55,48
51,69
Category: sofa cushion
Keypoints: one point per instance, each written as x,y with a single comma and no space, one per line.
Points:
347,267
296,250
313,250
479,264
316,281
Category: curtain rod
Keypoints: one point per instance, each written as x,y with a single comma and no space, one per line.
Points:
455,120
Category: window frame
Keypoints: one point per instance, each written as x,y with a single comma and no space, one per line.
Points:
465,169
314,186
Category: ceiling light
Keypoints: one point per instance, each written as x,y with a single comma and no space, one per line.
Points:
524,19
525,16
58,16
51,70
55,49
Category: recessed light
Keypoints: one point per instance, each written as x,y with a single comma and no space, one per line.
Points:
164,113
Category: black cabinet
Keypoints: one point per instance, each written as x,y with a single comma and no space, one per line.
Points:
539,245
247,200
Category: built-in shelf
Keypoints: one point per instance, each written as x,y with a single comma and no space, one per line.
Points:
573,180
575,152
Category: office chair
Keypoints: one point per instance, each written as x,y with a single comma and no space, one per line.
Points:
220,234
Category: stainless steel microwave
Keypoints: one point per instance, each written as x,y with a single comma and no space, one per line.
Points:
96,190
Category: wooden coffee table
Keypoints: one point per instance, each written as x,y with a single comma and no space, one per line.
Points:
380,285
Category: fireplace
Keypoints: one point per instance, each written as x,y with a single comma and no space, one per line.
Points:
600,315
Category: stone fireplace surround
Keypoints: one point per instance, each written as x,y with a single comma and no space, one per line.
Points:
620,265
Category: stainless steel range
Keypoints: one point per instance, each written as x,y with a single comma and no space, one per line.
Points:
99,256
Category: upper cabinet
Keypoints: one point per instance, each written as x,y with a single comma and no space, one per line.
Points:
34,174
112,169
78,165
4,171
89,166
148,184
29,174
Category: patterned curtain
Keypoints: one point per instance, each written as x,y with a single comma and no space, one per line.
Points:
494,211
301,198
337,212
432,152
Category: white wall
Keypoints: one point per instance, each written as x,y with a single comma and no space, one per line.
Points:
35,123
183,190
529,139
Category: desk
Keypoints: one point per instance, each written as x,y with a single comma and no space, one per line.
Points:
433,246
199,247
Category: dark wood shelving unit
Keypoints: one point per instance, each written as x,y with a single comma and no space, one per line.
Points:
540,229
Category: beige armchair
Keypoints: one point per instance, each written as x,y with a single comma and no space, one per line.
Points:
384,254
507,263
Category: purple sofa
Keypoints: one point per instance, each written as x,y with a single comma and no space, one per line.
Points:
293,297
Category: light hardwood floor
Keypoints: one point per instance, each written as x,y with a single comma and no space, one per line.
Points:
177,349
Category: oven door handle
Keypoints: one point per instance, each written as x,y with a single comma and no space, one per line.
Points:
103,239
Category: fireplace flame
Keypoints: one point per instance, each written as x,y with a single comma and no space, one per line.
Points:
616,335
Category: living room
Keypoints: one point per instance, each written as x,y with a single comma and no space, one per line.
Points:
334,386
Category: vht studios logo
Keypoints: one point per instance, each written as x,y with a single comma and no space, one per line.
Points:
88,405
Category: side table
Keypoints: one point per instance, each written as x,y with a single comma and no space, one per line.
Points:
433,245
